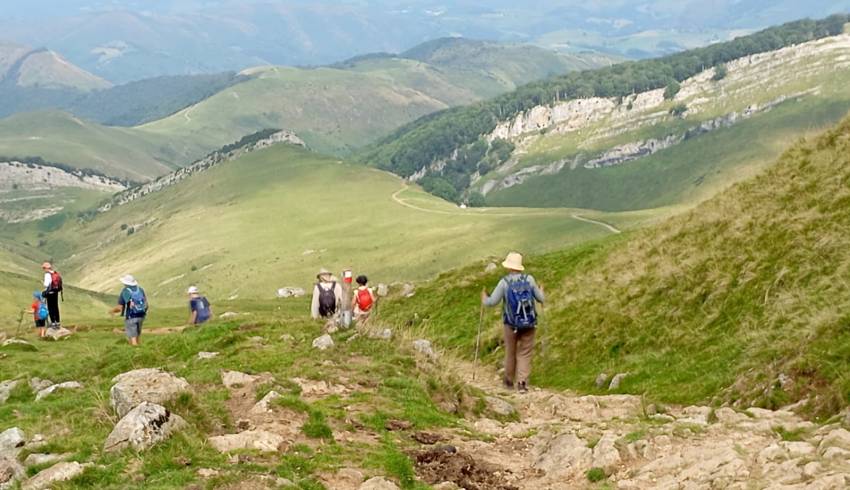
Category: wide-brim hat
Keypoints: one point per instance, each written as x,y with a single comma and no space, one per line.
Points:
323,272
129,280
513,262
193,290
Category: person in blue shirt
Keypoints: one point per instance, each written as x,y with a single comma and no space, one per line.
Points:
199,307
133,306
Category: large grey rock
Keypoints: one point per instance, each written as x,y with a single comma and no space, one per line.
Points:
378,483
383,290
563,453
616,381
11,439
260,440
57,473
207,355
235,379
264,405
38,384
57,333
323,343
144,385
17,342
695,415
10,471
491,267
68,385
38,459
499,407
143,427
408,290
424,347
6,388
601,380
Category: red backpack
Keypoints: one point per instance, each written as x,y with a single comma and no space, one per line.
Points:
364,299
55,282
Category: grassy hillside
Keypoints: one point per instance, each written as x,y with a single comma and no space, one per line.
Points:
120,152
16,296
719,304
272,218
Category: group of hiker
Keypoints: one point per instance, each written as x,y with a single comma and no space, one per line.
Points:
517,291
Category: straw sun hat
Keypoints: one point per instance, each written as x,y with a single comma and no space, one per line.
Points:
513,262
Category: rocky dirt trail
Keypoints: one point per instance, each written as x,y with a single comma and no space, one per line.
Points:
561,440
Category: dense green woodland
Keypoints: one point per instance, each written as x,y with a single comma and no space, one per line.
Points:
437,136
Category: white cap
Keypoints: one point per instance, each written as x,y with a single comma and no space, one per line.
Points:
193,290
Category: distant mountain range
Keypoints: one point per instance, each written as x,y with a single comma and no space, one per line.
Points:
130,40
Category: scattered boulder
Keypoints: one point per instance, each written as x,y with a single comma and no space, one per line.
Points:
12,439
56,473
260,440
208,473
19,343
68,385
408,290
10,471
378,483
38,384
394,425
385,334
323,343
286,338
383,290
290,292
263,406
143,427
601,380
616,381
696,415
38,459
423,347
491,267
207,355
499,407
144,385
318,388
57,333
428,438
235,379
228,315
565,452
6,388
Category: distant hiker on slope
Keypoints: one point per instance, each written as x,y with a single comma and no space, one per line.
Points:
39,313
133,306
519,292
199,307
363,300
52,290
327,296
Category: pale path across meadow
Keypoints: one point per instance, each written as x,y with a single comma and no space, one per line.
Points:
406,204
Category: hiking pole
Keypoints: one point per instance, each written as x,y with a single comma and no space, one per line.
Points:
478,341
21,321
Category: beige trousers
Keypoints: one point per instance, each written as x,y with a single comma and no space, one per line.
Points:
519,349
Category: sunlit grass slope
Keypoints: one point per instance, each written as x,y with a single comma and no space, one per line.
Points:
272,218
713,305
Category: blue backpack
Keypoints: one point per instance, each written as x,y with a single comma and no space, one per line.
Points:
137,306
519,304
43,312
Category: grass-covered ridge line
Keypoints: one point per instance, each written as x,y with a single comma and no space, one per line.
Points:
713,305
436,137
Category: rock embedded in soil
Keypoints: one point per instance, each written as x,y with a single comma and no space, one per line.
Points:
12,439
38,459
383,290
378,483
323,343
424,347
427,438
499,407
6,388
57,333
207,355
143,427
259,440
398,425
57,473
616,381
144,385
68,385
264,405
601,380
38,384
10,471
235,379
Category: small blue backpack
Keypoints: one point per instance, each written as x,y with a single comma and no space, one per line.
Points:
520,312
137,307
43,312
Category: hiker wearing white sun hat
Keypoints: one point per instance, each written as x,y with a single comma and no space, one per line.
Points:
519,292
199,306
327,296
133,306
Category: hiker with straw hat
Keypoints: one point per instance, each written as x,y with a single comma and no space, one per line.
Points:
518,291
327,296
133,306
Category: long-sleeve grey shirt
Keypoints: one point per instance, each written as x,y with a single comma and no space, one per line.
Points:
498,294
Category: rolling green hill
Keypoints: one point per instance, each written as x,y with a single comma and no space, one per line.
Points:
718,304
273,217
592,118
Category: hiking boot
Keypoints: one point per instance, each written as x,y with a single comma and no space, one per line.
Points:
522,387
508,383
